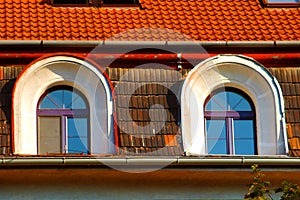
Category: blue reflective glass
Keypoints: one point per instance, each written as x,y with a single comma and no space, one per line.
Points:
244,137
47,103
217,102
52,100
228,127
77,134
228,101
216,136
63,99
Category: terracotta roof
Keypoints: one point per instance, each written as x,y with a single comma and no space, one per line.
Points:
206,20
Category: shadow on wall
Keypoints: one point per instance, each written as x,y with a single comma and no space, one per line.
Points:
5,115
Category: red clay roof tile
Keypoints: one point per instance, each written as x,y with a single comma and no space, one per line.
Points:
200,20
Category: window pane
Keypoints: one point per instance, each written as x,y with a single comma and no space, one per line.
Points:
244,137
216,136
217,102
57,97
63,98
77,135
49,136
237,102
75,101
52,100
48,103
228,100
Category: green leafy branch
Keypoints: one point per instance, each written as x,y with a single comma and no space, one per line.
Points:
260,188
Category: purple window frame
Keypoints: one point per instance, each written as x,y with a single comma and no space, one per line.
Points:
229,116
64,114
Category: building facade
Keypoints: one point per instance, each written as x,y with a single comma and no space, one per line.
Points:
148,99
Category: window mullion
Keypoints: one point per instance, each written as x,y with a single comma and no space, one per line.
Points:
64,132
229,135
232,135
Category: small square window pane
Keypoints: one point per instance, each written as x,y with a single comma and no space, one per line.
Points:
77,127
77,145
244,147
216,146
243,129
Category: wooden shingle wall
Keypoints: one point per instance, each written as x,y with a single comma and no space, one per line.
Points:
148,110
8,75
145,129
289,80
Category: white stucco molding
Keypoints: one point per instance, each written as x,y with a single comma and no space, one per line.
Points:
247,75
61,70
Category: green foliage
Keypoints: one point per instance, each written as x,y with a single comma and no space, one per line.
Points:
260,188
290,191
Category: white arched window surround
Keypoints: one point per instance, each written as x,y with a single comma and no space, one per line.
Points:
55,71
246,75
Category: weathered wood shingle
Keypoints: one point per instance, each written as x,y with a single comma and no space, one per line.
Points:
148,111
289,80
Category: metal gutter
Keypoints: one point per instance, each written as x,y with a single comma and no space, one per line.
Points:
281,161
94,43
261,57
70,43
288,43
16,43
251,44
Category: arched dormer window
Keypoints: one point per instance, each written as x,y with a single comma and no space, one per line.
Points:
63,122
247,76
62,76
230,123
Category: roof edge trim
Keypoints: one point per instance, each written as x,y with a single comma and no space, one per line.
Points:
93,43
